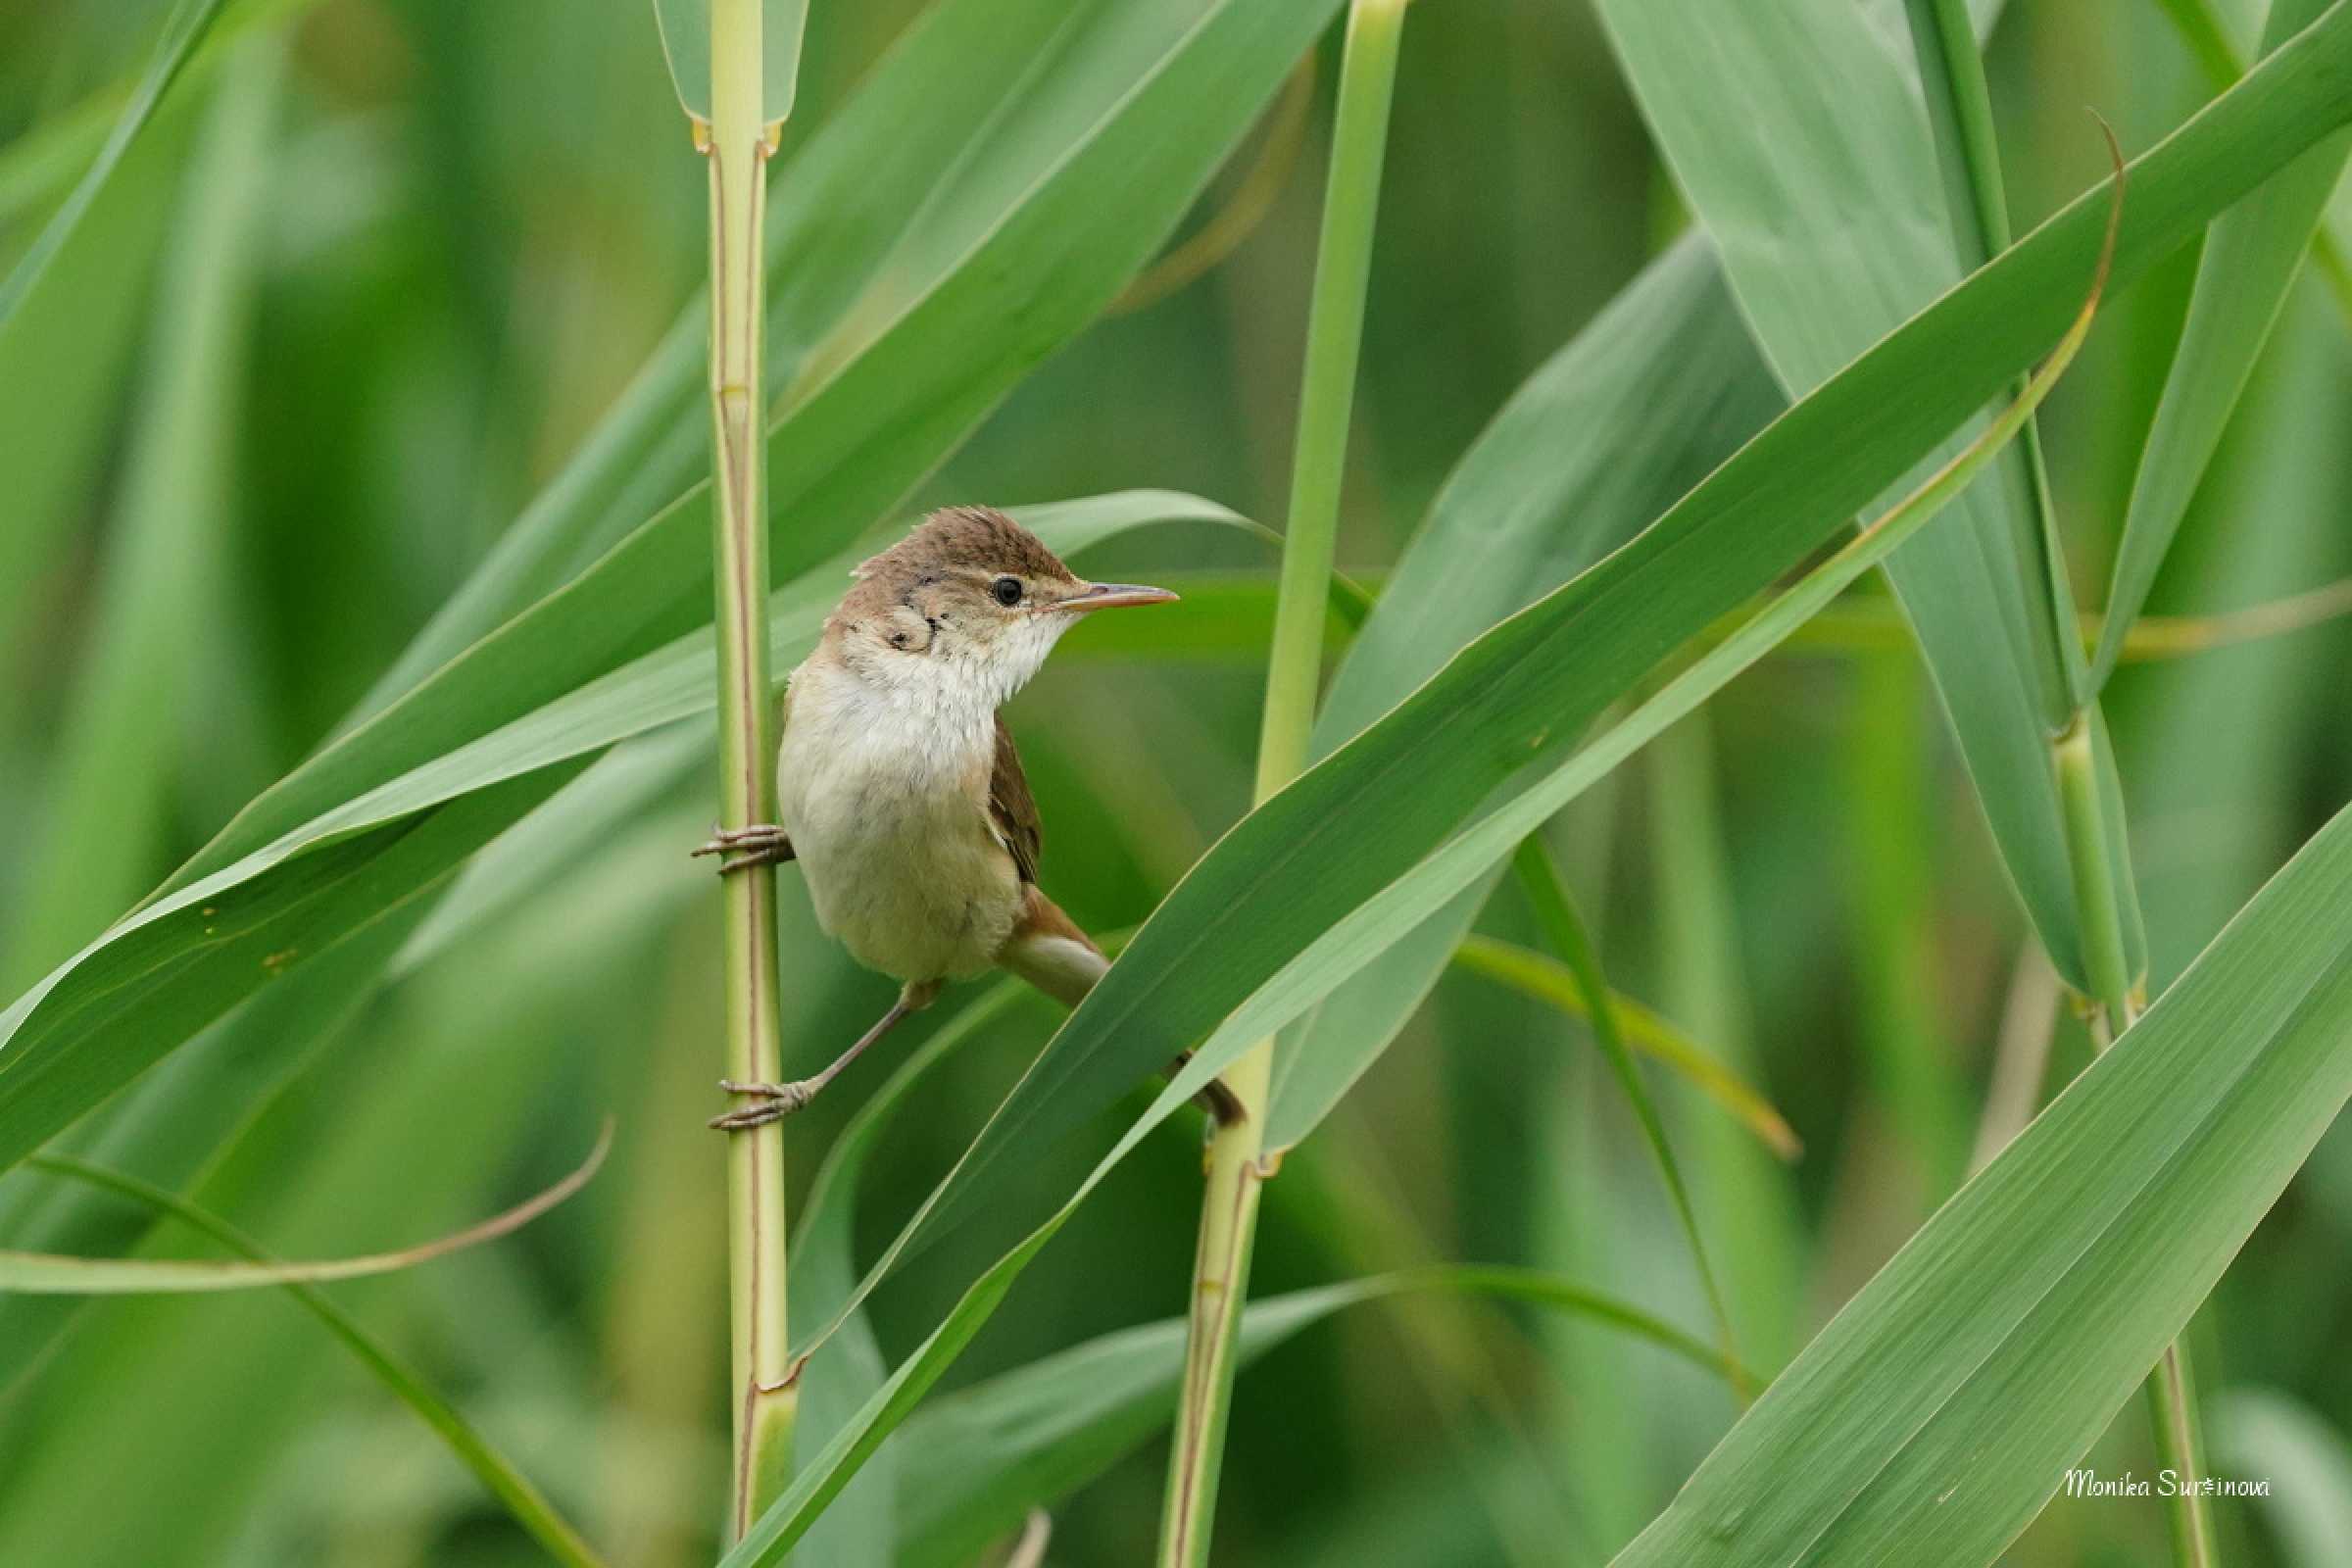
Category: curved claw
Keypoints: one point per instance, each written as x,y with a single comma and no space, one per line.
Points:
759,843
777,1102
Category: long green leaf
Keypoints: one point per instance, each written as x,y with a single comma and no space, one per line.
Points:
1828,214
1656,390
99,830
860,1528
39,1273
62,364
184,30
1934,1416
1030,1436
2251,257
498,1474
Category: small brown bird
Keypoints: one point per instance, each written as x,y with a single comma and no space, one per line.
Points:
900,793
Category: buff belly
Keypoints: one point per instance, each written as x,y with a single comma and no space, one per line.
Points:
900,860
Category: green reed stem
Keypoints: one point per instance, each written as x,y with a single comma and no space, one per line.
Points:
1960,115
2171,1385
737,144
1237,1163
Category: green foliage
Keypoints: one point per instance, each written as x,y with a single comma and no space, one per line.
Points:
356,711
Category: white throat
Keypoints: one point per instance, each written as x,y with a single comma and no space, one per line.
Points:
955,683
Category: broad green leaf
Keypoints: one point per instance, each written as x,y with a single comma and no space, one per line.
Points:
2222,789
686,48
1937,1413
171,1126
970,1499
184,30
498,1476
1407,772
1655,391
107,1015
40,1273
165,971
1826,210
459,1073
99,830
988,1453
2218,45
2250,258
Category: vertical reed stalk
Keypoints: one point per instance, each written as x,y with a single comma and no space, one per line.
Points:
737,145
1960,115
1237,1163
2171,1385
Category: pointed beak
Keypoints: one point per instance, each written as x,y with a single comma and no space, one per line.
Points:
1112,595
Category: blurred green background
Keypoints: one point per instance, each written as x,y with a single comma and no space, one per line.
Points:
464,228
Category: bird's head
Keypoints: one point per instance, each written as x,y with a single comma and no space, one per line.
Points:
970,601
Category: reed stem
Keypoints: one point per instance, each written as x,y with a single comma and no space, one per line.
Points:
1237,1163
737,142
2101,902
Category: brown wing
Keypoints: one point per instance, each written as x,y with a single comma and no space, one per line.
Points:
1011,806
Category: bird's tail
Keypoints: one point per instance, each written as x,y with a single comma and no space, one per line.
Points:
1049,951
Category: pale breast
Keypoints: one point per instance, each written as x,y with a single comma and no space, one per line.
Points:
887,814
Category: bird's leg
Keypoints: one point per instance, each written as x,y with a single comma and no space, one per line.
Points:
1223,1106
760,844
775,1101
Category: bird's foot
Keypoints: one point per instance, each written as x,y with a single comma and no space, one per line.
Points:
775,1103
739,847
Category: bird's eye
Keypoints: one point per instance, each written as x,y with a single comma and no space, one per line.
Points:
1007,591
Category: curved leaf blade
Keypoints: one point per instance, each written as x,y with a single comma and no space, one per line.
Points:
1829,216
499,1475
2250,260
37,1273
184,30
1939,1409
1658,388
1025,1439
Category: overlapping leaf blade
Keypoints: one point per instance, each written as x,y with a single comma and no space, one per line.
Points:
1309,860
2250,258
1940,1410
1032,1435
1658,389
1829,220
